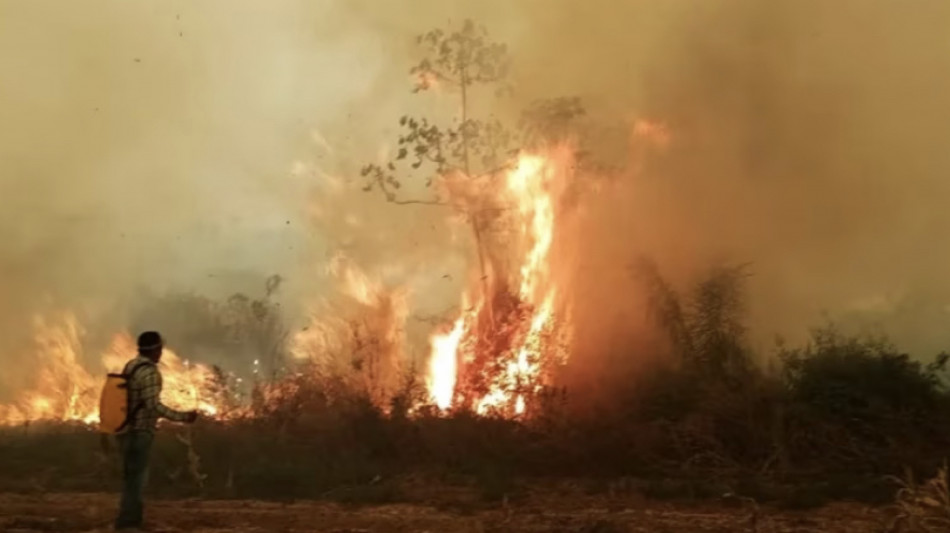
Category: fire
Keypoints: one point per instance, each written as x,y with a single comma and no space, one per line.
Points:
528,183
185,386
358,334
502,350
443,365
65,391
355,282
495,356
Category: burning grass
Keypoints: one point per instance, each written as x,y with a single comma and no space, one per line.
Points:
349,417
842,414
66,391
320,437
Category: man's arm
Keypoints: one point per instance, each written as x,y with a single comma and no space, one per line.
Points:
151,383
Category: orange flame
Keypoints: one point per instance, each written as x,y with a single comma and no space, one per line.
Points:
359,336
504,376
443,365
65,391
498,354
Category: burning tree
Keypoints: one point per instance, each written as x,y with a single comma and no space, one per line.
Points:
511,332
512,329
473,150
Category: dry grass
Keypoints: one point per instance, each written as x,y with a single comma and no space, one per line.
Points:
922,507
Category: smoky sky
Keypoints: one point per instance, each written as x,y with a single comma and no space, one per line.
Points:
806,141
154,146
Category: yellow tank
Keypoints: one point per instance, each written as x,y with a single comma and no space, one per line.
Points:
113,403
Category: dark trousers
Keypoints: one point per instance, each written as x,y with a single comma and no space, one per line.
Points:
134,447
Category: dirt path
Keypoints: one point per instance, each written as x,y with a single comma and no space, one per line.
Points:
93,512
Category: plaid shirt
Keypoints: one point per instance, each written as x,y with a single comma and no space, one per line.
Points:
145,389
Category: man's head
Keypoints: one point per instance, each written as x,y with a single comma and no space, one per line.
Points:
150,345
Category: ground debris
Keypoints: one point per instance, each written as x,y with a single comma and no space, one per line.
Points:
93,512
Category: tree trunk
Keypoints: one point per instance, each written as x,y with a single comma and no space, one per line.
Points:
483,267
475,217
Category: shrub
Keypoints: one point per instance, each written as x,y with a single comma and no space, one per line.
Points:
859,403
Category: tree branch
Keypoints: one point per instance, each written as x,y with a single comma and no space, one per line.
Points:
437,203
420,202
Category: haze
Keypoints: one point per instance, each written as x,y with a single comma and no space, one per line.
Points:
153,145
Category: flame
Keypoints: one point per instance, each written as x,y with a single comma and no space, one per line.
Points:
63,386
356,283
495,357
358,336
443,365
185,386
500,352
65,391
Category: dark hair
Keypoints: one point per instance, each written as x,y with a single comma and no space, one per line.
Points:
150,342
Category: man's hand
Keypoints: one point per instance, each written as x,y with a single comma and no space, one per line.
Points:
191,416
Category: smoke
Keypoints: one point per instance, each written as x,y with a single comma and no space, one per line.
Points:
148,148
184,146
805,140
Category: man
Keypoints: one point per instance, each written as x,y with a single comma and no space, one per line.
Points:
145,408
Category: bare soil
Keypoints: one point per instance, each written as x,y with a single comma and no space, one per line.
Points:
595,514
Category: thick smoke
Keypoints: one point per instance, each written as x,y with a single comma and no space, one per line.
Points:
147,148
153,147
806,140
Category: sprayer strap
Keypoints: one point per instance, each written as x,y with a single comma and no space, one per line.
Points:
132,412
